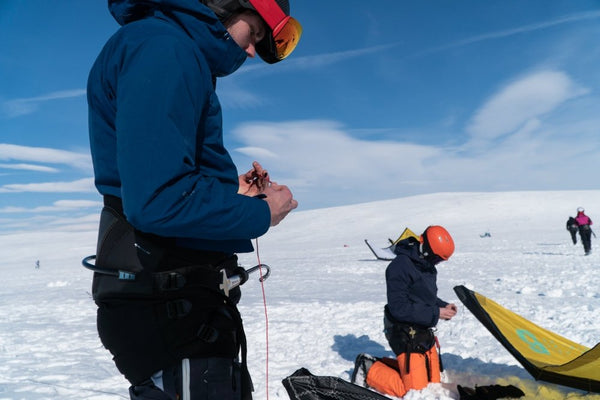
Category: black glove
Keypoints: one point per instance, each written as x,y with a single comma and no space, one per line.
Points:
490,392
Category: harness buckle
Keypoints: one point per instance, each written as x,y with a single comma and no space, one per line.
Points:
170,281
207,333
178,308
412,332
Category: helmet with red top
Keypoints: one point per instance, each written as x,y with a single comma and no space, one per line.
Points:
437,244
283,31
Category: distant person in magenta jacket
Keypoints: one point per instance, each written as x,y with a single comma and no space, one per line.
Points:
176,209
585,230
412,310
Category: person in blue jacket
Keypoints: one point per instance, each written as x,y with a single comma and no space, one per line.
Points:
413,308
176,211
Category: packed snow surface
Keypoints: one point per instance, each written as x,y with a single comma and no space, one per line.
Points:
325,295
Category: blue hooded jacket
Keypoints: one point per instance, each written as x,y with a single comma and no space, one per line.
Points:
411,287
155,126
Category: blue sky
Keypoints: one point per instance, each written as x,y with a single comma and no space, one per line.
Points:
381,99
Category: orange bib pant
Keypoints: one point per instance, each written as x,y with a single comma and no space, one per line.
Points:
390,376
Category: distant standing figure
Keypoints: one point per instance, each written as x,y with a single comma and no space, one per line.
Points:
37,264
585,230
572,227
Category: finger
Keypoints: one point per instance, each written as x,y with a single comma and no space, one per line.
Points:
258,169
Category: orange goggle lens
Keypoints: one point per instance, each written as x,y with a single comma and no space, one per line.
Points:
286,36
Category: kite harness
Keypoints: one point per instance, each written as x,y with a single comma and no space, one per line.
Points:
241,275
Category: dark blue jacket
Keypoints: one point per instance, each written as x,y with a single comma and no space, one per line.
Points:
411,286
156,129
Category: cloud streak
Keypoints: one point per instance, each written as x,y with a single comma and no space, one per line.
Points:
322,60
520,102
85,185
319,60
568,19
57,206
321,161
29,167
13,152
23,106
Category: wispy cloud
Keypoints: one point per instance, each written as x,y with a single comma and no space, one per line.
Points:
567,19
23,106
258,152
321,60
61,205
10,152
521,102
63,220
318,159
28,167
233,96
85,185
318,60
324,164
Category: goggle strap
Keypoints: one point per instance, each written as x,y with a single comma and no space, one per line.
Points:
271,13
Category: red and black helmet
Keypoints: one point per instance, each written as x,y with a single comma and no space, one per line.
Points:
283,31
437,241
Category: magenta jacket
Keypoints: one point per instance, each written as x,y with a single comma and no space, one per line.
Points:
583,219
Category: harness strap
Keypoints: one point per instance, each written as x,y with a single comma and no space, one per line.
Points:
439,351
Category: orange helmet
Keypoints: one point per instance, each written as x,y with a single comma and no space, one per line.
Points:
437,239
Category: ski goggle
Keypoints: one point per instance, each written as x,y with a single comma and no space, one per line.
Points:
285,31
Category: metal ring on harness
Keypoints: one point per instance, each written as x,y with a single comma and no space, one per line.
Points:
123,275
265,275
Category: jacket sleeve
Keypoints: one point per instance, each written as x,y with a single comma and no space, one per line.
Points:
163,93
402,307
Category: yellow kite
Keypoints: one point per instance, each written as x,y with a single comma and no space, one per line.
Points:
546,355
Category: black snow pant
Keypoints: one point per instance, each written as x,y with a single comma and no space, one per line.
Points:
585,232
192,379
573,233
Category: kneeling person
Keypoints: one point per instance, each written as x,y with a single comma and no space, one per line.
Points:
412,310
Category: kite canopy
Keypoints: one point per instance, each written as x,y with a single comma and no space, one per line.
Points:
546,355
302,385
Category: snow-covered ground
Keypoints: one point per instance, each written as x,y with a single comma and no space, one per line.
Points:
325,295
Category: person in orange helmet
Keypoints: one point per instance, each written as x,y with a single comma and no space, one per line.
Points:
412,310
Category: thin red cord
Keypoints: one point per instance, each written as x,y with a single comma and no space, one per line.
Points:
262,285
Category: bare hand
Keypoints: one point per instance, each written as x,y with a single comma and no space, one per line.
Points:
254,181
448,312
280,201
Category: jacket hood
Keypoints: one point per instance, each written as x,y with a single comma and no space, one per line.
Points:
125,11
223,54
410,248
